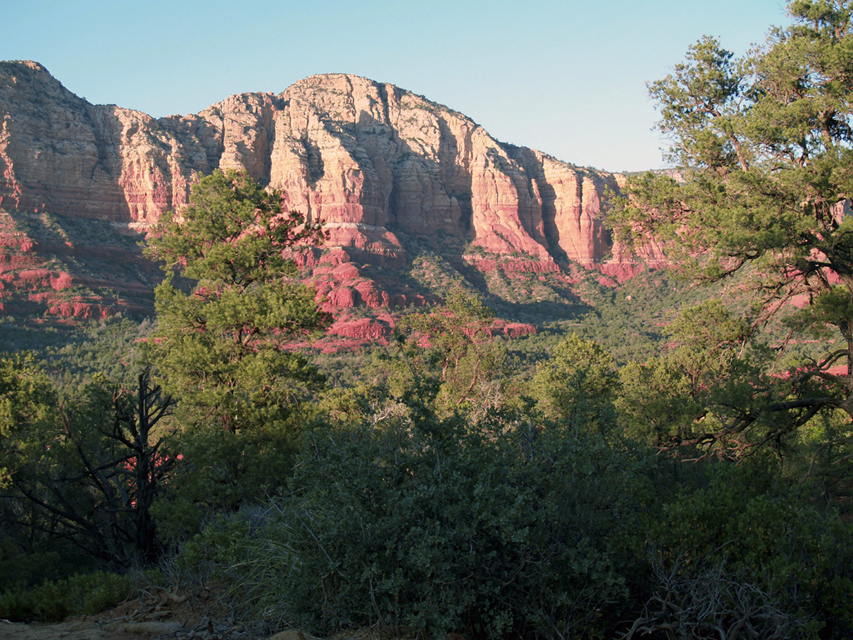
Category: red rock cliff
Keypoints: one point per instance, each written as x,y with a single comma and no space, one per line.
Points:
369,159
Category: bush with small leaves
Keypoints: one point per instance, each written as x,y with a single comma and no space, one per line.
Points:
52,601
491,529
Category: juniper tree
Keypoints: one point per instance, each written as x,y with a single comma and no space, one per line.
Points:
220,342
766,150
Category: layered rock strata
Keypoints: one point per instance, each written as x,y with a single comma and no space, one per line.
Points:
375,163
369,159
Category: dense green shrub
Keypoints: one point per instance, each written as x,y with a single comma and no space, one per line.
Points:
85,594
493,529
761,532
218,472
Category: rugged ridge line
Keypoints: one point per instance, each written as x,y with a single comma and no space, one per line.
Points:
377,164
368,158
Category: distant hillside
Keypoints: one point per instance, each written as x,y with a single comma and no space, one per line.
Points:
404,187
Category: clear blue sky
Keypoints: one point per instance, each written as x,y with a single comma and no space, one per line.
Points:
566,77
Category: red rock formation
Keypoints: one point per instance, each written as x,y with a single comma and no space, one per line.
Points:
374,162
44,273
362,328
369,159
511,265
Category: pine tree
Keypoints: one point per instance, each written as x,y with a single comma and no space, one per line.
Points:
220,343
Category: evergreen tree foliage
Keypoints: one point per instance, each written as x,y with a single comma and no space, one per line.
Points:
219,346
576,386
766,150
450,355
709,377
82,467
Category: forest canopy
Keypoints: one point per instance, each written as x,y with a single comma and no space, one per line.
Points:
765,145
451,480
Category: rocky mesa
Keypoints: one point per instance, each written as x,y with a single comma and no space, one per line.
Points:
375,163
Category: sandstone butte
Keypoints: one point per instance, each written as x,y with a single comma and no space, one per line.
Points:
372,161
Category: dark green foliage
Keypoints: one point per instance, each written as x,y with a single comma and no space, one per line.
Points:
52,601
490,529
708,379
111,348
220,472
630,321
760,531
577,385
82,468
73,354
16,334
219,347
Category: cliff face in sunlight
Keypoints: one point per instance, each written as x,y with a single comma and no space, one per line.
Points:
376,163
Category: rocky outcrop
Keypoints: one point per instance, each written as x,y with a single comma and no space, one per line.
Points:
377,164
369,159
64,268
